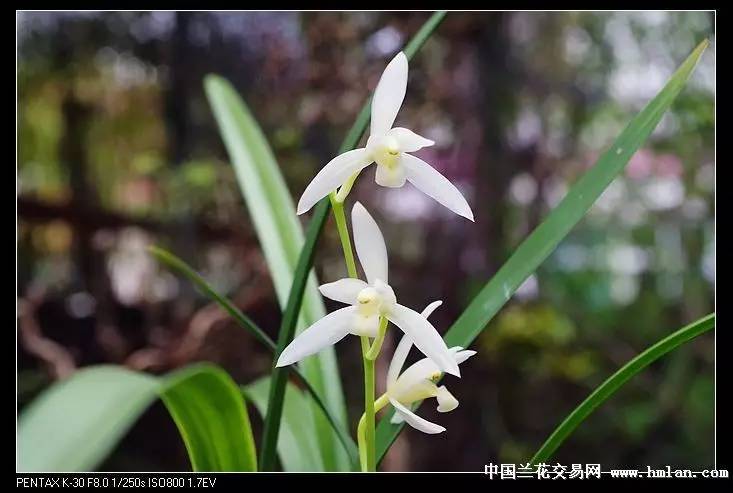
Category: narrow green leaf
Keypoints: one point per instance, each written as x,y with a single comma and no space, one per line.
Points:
77,422
182,268
297,443
615,381
543,240
305,262
285,335
280,234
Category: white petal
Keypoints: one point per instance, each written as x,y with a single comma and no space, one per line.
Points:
398,360
389,94
403,349
417,376
390,177
343,290
327,331
424,369
416,421
333,175
446,401
397,417
408,140
431,308
432,183
365,325
425,337
369,244
462,356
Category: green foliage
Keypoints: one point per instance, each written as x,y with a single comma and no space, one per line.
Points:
272,212
297,443
75,423
641,417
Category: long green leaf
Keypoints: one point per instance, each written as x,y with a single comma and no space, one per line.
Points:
543,240
280,234
182,268
178,265
285,335
77,422
297,443
305,262
604,391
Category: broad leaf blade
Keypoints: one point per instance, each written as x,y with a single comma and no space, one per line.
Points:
280,234
76,423
543,240
213,421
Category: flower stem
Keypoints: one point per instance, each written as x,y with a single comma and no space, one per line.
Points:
343,231
377,344
346,188
361,430
367,444
366,439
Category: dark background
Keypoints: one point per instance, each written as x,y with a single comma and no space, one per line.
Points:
118,150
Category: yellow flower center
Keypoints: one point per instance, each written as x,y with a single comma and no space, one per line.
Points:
387,153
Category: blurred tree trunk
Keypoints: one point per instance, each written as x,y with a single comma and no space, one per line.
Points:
179,93
497,106
75,115
91,262
177,117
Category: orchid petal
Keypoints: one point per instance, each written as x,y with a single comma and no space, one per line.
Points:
431,182
416,421
369,244
462,356
425,337
398,360
333,175
416,374
390,177
397,417
425,368
343,290
389,94
408,140
446,401
325,332
403,349
365,325
431,308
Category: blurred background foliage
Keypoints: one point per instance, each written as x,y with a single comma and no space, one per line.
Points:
118,150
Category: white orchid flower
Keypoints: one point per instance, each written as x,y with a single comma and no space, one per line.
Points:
418,382
389,148
368,302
